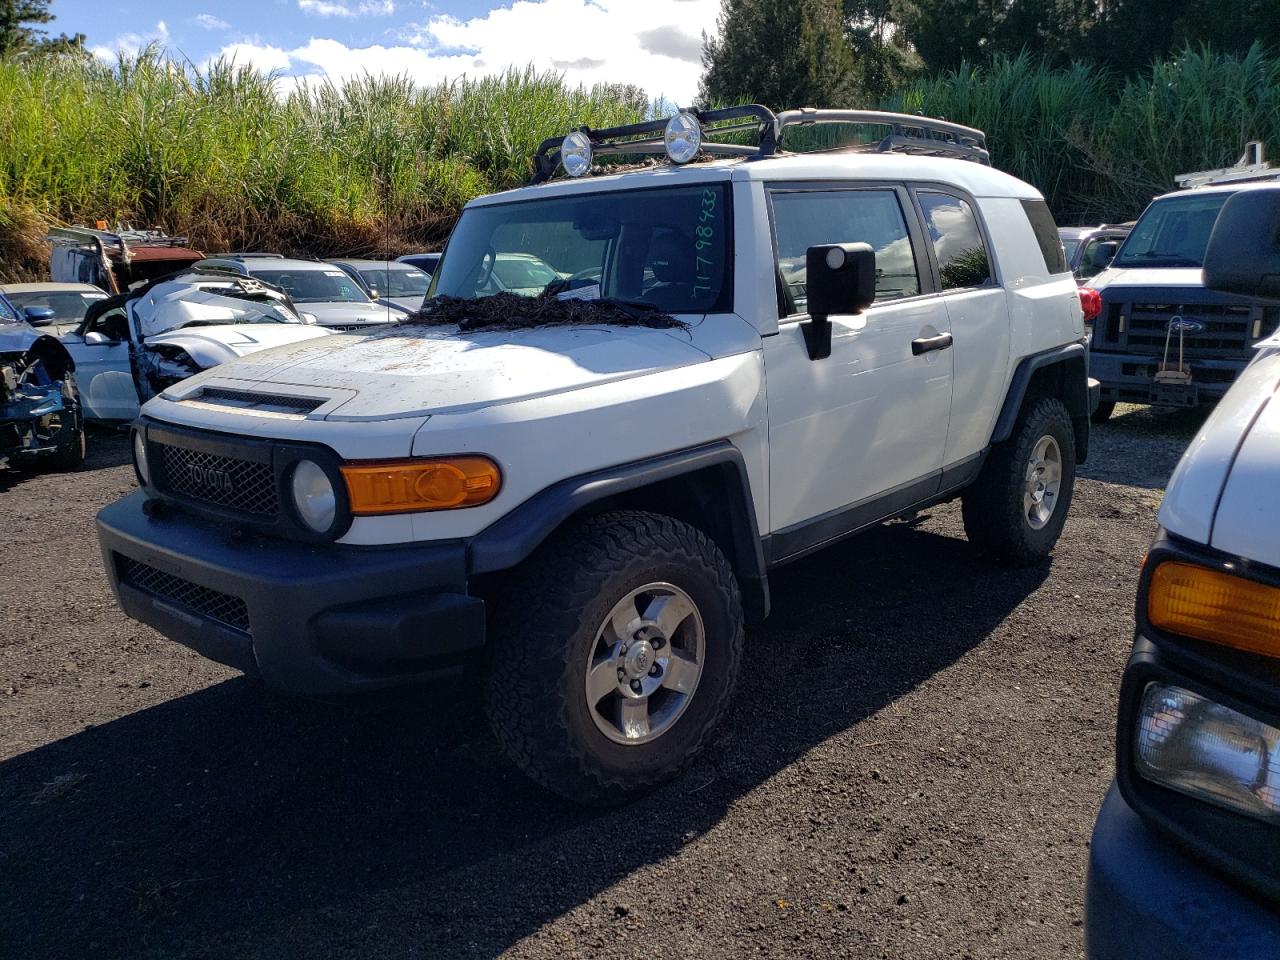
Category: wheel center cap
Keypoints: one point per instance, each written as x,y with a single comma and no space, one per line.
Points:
639,659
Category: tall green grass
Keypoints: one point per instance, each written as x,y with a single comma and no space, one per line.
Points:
1100,146
239,159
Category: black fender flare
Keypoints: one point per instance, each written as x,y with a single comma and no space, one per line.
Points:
1072,360
512,538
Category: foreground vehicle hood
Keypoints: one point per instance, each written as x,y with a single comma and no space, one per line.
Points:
1147,277
210,346
413,370
1223,492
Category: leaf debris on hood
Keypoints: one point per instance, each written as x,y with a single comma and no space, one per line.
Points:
512,311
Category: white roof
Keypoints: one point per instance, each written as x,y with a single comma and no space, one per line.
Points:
1223,188
50,287
977,179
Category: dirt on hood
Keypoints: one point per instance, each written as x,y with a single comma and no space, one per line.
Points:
511,311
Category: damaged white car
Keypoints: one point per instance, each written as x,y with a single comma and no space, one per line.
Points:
130,347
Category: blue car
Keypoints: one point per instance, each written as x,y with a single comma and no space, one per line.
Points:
40,413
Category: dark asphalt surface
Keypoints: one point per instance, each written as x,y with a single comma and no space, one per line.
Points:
919,744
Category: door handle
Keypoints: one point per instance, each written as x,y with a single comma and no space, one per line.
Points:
927,344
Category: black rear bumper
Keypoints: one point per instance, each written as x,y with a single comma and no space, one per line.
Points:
309,619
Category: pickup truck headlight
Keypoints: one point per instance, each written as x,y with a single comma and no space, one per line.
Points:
313,496
140,458
411,486
1218,607
1198,747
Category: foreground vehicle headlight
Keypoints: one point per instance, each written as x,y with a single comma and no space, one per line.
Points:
140,458
409,486
313,496
1196,746
1211,605
683,137
575,153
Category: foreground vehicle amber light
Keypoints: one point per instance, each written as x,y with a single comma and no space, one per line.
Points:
408,486
1218,607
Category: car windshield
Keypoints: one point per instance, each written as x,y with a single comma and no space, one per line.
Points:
1070,246
1173,232
396,281
68,306
328,285
668,247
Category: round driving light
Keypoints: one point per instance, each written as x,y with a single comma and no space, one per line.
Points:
683,137
575,153
140,458
313,496
835,258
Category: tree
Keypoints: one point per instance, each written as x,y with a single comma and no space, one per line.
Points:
886,61
1130,34
782,53
18,36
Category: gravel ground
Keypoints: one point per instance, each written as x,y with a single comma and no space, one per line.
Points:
919,746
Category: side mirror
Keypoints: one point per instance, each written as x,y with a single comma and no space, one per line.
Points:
373,293
840,279
1103,254
39,316
1243,256
96,339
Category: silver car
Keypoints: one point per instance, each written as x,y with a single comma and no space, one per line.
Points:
402,284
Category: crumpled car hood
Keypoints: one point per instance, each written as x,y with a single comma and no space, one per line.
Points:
169,306
415,370
209,346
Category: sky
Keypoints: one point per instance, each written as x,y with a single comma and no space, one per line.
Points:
653,44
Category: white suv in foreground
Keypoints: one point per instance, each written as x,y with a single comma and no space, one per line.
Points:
760,355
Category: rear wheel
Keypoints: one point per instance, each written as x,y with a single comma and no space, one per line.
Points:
1103,412
615,653
1016,509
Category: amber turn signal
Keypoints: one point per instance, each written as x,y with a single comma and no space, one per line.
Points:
409,486
1218,607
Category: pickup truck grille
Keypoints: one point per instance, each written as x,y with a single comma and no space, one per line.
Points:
244,486
221,607
1227,331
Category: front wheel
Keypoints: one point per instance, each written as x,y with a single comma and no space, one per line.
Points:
1016,508
615,654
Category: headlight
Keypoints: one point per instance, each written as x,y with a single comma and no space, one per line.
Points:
683,137
410,486
575,153
140,458
313,496
1196,746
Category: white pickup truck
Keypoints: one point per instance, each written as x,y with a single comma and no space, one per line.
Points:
772,352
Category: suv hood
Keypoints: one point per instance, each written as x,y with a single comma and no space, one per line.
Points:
1223,491
415,370
349,314
1148,277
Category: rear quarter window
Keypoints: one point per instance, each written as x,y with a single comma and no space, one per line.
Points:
1047,237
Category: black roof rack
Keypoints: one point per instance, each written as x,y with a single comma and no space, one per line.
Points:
906,134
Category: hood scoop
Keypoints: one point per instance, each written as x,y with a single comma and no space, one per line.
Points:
254,402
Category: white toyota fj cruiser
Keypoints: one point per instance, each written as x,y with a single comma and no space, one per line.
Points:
786,349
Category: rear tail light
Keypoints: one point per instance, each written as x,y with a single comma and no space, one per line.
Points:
1091,303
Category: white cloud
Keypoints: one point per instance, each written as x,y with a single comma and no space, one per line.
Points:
331,8
654,45
129,44
209,22
260,56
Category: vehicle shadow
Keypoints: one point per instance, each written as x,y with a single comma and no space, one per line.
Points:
234,823
104,447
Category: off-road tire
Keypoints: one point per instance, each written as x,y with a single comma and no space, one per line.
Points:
1103,412
544,629
995,518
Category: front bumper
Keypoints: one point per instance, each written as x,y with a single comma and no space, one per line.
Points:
1130,378
309,619
1145,900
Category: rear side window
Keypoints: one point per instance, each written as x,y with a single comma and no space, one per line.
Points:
957,241
807,218
1046,232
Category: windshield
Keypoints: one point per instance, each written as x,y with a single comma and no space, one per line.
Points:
667,247
329,285
1173,232
396,281
1069,247
67,305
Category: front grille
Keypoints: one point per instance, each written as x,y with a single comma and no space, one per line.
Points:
225,609
1143,328
245,486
